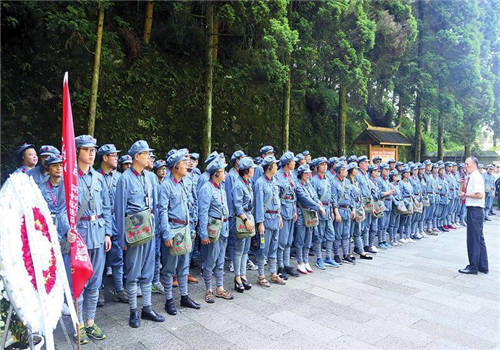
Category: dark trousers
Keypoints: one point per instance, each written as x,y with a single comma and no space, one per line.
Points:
476,247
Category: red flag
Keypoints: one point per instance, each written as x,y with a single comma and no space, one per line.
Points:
81,266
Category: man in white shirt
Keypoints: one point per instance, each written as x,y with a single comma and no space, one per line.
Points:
474,201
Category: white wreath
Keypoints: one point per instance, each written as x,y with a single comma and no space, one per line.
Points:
35,307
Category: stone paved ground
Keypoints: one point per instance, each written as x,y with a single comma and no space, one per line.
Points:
408,297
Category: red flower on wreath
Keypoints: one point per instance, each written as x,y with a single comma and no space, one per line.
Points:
49,276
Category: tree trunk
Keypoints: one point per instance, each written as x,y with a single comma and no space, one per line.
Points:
418,104
440,152
418,128
400,111
286,113
149,22
210,56
95,75
466,149
287,96
342,119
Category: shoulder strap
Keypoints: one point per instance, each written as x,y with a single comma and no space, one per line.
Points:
86,201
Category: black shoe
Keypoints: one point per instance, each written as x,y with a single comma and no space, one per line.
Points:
366,248
365,256
239,287
186,301
483,271
149,314
487,219
282,273
348,259
492,213
337,259
292,272
246,284
352,257
170,307
100,300
134,321
468,271
311,253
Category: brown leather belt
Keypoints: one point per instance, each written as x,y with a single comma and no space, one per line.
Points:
271,212
224,220
91,217
325,203
177,221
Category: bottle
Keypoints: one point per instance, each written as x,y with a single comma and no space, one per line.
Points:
262,242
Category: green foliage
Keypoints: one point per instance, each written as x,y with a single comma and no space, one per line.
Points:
155,92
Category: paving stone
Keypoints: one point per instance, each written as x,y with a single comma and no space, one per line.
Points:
408,297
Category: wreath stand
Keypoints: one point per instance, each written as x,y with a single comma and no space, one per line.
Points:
30,333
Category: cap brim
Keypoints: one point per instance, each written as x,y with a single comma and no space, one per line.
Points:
88,145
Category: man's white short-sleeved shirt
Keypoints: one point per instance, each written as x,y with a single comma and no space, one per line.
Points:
475,184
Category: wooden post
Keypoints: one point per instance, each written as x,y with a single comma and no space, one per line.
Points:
95,75
149,22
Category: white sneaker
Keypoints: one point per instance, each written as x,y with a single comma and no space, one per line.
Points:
308,268
65,310
375,249
403,241
231,266
251,266
109,271
424,235
302,268
410,240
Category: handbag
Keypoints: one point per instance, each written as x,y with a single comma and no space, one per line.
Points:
311,218
241,229
214,228
138,228
411,209
418,208
426,201
360,214
378,209
181,242
368,205
401,209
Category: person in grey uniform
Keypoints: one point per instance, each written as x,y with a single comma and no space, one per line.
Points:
41,172
27,154
407,194
344,214
268,221
231,177
174,214
259,171
306,200
386,192
114,258
397,200
137,197
243,206
286,184
213,222
324,232
95,227
124,162
443,191
357,204
489,190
